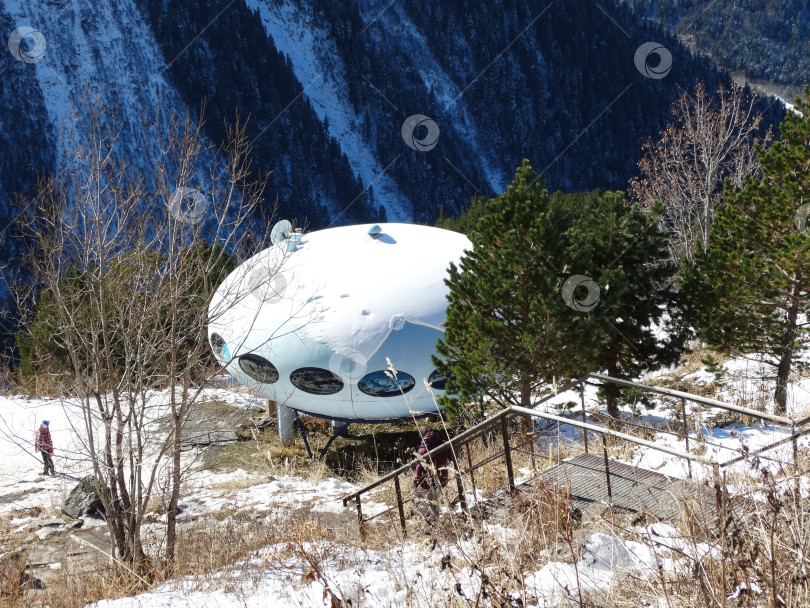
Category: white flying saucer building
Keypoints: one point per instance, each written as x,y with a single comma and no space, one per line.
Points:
316,321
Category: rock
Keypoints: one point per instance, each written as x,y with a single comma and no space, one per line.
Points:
12,568
44,533
209,437
44,522
42,554
82,500
31,582
92,521
264,422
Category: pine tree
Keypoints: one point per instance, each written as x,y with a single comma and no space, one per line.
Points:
506,322
516,319
467,219
637,324
748,290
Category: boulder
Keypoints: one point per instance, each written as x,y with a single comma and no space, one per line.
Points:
82,500
209,437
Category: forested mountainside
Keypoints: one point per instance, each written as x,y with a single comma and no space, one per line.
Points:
567,83
766,39
327,88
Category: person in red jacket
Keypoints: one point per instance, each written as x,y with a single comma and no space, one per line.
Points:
430,477
44,444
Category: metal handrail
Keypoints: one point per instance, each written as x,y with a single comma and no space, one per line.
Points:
611,432
792,437
501,418
696,399
451,445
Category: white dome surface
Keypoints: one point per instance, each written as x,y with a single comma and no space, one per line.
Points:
345,302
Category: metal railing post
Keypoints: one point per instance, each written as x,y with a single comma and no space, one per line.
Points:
584,414
795,449
796,483
400,508
507,454
460,487
472,473
686,435
607,468
360,517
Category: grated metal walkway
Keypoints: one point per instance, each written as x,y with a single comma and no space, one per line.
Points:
634,489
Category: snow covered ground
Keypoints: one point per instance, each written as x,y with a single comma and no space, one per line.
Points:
410,574
21,467
417,571
740,384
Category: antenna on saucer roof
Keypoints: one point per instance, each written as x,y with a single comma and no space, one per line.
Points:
281,232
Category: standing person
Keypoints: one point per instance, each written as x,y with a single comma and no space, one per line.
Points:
430,477
44,444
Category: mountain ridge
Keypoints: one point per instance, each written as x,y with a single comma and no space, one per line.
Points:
327,88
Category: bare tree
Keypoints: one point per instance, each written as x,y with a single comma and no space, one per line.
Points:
712,138
123,260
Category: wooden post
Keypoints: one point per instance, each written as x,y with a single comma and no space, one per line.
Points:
686,435
507,454
723,517
559,451
400,508
584,414
272,408
607,468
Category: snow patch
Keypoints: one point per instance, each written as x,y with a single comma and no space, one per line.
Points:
316,65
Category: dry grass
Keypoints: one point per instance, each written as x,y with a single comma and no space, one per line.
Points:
764,542
264,454
761,537
207,547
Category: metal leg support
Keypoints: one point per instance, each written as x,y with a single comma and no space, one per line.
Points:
303,433
334,436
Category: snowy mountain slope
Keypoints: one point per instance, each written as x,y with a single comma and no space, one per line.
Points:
317,62
328,86
107,48
225,58
318,66
394,28
765,41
